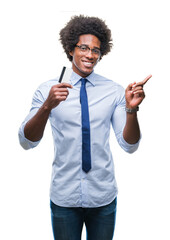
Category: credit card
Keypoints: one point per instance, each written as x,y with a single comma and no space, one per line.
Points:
65,75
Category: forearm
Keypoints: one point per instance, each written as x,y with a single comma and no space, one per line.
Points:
34,128
134,95
131,132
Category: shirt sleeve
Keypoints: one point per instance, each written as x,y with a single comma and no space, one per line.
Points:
118,123
37,101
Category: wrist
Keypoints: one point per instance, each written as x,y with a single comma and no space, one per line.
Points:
46,107
131,110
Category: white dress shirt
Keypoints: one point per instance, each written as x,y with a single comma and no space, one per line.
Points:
70,185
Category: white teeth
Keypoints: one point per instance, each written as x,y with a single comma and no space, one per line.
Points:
88,63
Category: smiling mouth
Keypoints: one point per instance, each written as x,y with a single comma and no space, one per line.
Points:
88,64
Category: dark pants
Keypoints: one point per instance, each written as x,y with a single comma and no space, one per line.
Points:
67,223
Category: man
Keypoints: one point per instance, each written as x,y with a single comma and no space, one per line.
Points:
83,186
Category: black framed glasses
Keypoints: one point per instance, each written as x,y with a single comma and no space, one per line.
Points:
85,49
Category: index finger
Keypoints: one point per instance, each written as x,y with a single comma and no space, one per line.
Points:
64,85
142,83
146,79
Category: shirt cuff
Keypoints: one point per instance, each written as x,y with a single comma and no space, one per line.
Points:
24,142
130,148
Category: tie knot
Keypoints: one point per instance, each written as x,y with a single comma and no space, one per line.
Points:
83,81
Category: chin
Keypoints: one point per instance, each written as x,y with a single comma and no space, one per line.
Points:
83,72
87,71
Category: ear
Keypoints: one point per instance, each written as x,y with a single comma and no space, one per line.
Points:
71,53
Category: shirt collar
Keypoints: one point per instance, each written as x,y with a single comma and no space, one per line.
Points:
75,78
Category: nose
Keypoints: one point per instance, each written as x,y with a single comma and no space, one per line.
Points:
89,54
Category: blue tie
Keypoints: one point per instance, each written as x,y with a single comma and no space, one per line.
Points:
86,152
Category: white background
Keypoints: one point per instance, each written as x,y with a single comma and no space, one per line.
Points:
30,54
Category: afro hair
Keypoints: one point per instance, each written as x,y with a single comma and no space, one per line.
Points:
79,25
